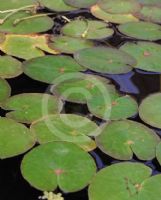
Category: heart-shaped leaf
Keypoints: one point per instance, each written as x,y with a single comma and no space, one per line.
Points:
29,107
15,138
121,139
55,164
150,110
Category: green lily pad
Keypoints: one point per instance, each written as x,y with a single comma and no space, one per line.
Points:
150,110
119,6
26,46
56,5
110,60
125,181
121,139
55,164
49,68
28,107
111,106
32,24
9,67
15,138
150,14
88,29
146,54
68,128
81,3
15,4
79,88
158,153
114,18
150,2
69,45
141,30
5,90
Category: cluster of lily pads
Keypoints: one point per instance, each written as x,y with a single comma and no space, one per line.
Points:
60,143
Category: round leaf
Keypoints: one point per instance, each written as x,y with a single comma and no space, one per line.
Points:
88,29
49,68
29,107
119,6
150,110
69,45
110,60
66,127
15,138
9,67
5,90
114,18
56,164
121,139
141,30
146,54
81,3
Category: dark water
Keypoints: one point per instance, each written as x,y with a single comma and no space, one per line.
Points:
136,83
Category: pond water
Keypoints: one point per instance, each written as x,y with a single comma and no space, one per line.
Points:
137,83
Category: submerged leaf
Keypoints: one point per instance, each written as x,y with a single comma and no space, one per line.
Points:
55,164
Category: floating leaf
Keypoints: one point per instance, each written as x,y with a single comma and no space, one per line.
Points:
88,29
158,153
150,2
5,90
141,30
50,68
114,18
28,107
16,4
121,139
150,110
110,60
79,88
57,5
119,6
25,23
150,13
125,181
9,67
66,127
55,164
146,54
69,45
15,138
26,46
81,3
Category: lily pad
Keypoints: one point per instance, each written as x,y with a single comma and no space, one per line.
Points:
146,54
28,107
87,29
9,67
25,23
66,127
26,46
5,90
121,139
81,3
79,88
114,18
56,5
15,4
55,164
150,2
158,153
125,181
49,68
150,110
150,13
141,30
110,60
69,45
119,6
15,138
